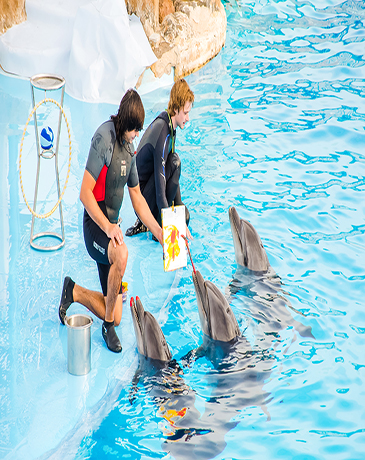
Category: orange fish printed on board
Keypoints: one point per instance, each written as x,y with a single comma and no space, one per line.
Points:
172,241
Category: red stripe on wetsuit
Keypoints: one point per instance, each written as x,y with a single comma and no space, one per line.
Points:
99,188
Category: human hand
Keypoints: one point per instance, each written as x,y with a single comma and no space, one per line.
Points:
115,234
159,236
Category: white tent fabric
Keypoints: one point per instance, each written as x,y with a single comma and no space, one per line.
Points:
95,45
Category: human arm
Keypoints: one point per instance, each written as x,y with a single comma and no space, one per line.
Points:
143,211
113,231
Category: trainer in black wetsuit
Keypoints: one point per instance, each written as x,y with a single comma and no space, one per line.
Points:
110,166
158,164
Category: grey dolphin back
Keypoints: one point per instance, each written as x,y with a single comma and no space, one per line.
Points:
248,248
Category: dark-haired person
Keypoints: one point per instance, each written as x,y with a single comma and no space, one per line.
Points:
111,165
158,164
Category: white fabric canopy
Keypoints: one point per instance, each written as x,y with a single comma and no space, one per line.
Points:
95,45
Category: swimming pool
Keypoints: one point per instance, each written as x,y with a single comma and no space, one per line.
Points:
277,130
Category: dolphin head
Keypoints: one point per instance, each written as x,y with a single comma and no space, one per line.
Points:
248,248
216,316
151,342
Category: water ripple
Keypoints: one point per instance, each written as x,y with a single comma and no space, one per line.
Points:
336,434
315,238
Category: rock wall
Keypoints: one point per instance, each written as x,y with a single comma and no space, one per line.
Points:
146,10
11,12
184,34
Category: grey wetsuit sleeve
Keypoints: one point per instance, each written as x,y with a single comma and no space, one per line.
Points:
101,150
133,174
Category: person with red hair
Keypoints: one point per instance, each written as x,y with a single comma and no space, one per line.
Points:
158,164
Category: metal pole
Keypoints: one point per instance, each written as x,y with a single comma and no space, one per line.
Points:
38,164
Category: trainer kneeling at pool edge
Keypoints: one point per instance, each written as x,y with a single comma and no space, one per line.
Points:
111,165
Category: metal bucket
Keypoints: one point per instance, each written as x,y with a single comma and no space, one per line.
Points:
78,344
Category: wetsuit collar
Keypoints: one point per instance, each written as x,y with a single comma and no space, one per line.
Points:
128,148
173,132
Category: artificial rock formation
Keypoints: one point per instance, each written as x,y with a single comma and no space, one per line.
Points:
184,34
11,12
165,7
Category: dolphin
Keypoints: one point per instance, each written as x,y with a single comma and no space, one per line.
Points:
239,372
151,342
216,316
265,300
162,377
248,248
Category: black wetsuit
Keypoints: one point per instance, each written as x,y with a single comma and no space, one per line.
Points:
159,166
112,165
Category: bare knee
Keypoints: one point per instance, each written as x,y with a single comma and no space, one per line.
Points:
118,257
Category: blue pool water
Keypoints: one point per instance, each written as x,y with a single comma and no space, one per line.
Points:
277,130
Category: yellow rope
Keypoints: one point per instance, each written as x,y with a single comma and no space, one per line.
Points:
44,216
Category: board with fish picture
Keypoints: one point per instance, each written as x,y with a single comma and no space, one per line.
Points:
173,230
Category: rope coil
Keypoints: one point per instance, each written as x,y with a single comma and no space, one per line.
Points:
44,216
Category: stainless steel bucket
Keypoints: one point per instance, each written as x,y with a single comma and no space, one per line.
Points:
78,344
